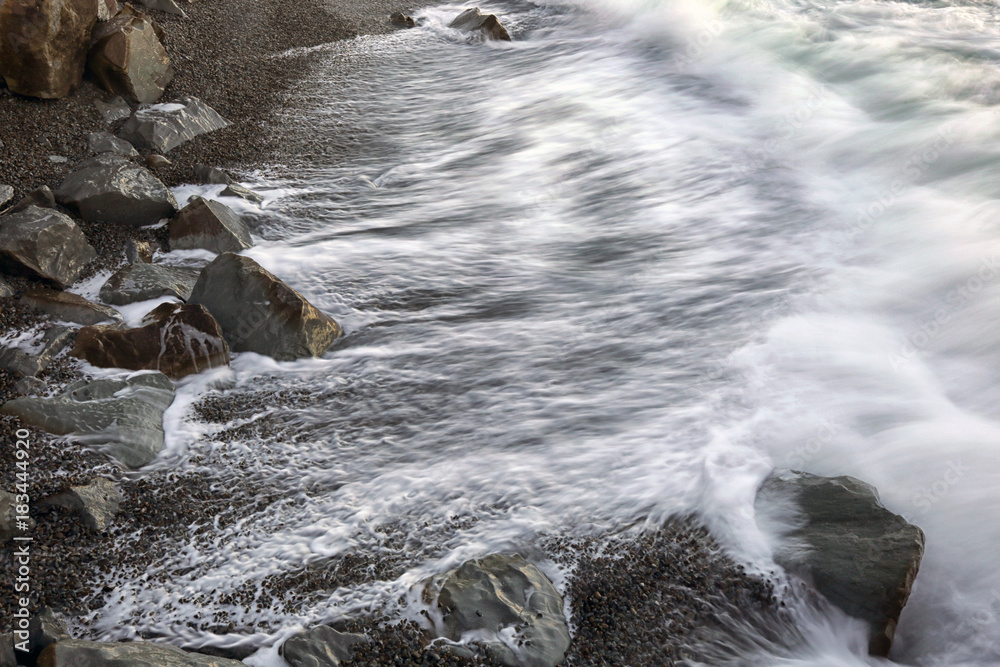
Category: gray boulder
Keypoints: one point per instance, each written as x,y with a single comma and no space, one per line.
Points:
8,518
260,313
486,596
105,142
128,59
45,629
166,126
53,342
237,190
110,188
43,243
6,194
96,503
7,657
211,175
141,282
123,418
488,25
321,646
69,307
859,555
82,653
210,225
5,289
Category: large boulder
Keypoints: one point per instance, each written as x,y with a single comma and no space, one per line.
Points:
97,502
83,653
859,555
142,282
321,646
507,604
43,243
165,126
69,307
127,59
175,339
43,50
260,313
123,418
110,188
210,225
488,25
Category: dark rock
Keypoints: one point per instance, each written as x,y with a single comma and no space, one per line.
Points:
69,307
96,503
140,251
142,282
82,653
127,59
123,418
859,555
175,339
21,363
110,188
5,289
321,646
114,109
496,593
43,243
210,225
105,142
45,629
7,657
44,47
166,126
260,313
472,20
8,519
236,190
42,197
155,161
6,194
402,20
106,9
211,176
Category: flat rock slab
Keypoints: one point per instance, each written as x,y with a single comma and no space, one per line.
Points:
209,225
69,307
123,418
507,604
260,313
110,188
175,339
82,653
165,126
97,503
43,243
488,25
860,556
142,282
321,646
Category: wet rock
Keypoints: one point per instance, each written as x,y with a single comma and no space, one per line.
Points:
42,197
321,646
260,313
7,657
511,606
401,20
6,194
210,225
127,59
167,6
114,109
8,519
5,289
44,47
122,418
236,190
140,251
165,126
110,188
175,339
69,307
473,20
45,629
211,175
82,653
859,555
142,282
43,243
155,161
97,503
21,363
105,142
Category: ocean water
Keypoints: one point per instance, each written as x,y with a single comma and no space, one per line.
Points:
616,270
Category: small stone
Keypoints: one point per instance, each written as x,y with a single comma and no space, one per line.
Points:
211,175
140,251
402,20
236,190
155,161
58,159
488,25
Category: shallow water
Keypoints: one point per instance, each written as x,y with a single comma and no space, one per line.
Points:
616,270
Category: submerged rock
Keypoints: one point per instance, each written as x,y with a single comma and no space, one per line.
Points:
260,313
165,126
859,555
473,20
210,225
507,603
123,418
96,503
142,282
110,188
128,59
69,307
82,653
321,646
43,243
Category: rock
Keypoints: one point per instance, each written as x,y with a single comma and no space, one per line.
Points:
8,519
489,25
6,194
165,126
123,418
140,251
511,607
43,243
402,20
127,59
860,556
19,362
155,161
41,197
114,109
97,503
44,47
45,629
105,142
260,313
175,339
7,657
109,188
82,653
106,9
69,307
321,646
5,289
58,159
167,6
210,225
211,175
142,282
236,190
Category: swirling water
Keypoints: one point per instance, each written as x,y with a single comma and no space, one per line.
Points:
619,269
